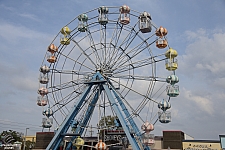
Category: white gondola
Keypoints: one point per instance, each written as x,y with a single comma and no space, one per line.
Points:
48,112
164,116
145,22
164,105
148,139
43,91
42,100
172,90
44,69
43,79
47,122
103,17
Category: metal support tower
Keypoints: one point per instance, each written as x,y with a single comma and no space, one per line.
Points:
101,82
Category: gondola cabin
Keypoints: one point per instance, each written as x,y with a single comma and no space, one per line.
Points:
171,53
64,40
82,24
172,79
148,139
43,79
164,105
52,48
161,32
164,116
42,101
103,15
161,43
42,91
65,30
44,69
48,112
124,18
145,22
65,37
171,64
78,142
172,90
51,59
101,145
47,122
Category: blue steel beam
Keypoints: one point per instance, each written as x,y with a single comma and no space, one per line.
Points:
89,112
57,139
99,80
113,103
79,130
131,121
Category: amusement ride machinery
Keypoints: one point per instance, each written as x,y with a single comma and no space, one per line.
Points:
105,62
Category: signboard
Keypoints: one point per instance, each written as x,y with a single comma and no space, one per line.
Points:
203,145
11,146
114,135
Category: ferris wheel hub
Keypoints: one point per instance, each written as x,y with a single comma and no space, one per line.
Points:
105,70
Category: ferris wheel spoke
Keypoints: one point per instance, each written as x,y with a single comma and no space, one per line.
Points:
118,50
133,52
92,46
148,94
131,35
66,85
135,91
56,120
104,53
137,64
153,118
63,102
73,72
85,55
138,77
74,91
133,111
76,61
139,47
145,102
114,41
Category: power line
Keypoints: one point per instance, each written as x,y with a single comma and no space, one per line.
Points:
12,128
12,125
17,122
18,125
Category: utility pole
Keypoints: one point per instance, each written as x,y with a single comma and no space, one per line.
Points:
91,131
24,142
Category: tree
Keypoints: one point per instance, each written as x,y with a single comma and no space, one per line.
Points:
11,136
107,121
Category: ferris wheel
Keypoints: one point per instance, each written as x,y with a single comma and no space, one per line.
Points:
109,67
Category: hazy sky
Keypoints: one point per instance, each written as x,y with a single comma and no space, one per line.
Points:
196,31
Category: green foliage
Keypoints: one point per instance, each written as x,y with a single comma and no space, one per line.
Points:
29,145
11,136
107,121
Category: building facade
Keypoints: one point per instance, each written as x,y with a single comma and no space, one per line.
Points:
172,140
